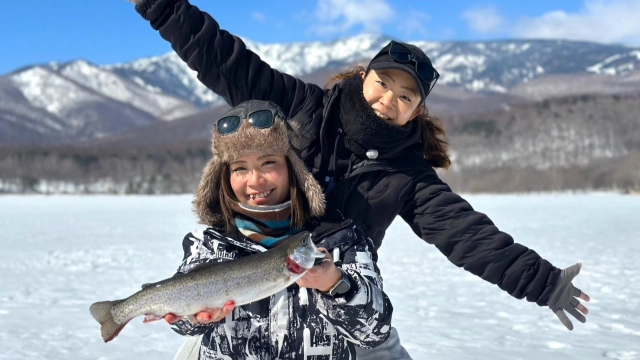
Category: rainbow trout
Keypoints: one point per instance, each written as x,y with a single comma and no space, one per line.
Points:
211,285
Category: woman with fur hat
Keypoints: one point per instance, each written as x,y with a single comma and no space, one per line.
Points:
371,143
254,193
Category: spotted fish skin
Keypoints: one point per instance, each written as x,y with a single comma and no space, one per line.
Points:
211,285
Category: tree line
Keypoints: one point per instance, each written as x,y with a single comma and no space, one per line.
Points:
177,169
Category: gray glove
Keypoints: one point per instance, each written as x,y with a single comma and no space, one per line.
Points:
564,297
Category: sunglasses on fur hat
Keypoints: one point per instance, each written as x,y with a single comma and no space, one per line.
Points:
424,69
260,119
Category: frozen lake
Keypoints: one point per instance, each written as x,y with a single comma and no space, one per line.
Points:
62,253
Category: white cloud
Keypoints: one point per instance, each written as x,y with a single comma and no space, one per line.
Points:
415,23
340,16
484,20
258,16
599,20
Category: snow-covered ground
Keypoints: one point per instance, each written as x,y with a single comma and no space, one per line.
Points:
62,253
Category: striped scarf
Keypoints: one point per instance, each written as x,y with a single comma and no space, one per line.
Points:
266,225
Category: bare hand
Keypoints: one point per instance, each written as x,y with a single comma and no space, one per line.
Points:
206,316
322,276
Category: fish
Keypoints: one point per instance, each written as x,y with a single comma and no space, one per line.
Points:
212,285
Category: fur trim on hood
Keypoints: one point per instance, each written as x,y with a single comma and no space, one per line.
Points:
248,139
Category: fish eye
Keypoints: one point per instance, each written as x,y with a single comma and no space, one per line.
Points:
304,241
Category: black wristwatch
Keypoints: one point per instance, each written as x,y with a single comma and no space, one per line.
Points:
341,287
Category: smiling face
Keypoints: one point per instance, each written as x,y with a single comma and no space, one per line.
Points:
393,95
260,179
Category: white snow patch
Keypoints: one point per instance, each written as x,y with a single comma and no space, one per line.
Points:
557,345
49,91
62,253
113,86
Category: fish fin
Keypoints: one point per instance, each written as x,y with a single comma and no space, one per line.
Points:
101,312
150,318
159,283
146,285
203,266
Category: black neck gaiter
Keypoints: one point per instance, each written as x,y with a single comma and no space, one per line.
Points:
364,130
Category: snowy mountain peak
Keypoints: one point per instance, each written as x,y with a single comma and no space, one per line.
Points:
74,94
48,90
482,67
477,67
58,87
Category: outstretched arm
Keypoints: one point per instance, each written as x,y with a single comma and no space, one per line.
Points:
221,59
470,240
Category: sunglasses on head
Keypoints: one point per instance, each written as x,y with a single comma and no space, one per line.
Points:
260,119
424,69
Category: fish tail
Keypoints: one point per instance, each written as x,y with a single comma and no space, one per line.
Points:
101,311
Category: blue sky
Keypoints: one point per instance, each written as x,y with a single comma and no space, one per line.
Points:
109,31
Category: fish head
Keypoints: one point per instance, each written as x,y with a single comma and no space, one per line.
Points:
302,253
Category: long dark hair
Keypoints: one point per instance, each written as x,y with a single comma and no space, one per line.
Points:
300,209
433,137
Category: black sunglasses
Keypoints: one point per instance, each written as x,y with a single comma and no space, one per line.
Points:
424,69
260,119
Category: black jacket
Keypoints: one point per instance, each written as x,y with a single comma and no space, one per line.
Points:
374,192
294,323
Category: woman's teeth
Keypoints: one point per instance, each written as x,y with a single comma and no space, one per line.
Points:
261,195
380,115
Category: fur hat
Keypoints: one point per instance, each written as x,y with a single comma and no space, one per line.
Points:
248,139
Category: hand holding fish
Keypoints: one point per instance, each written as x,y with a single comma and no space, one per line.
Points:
322,276
205,317
212,286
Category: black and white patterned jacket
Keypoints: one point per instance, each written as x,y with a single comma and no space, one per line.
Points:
296,323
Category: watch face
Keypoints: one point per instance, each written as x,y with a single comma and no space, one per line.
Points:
341,288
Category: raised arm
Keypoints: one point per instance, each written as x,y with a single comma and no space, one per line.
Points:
222,60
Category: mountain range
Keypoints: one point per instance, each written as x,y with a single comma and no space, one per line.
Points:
78,101
520,106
